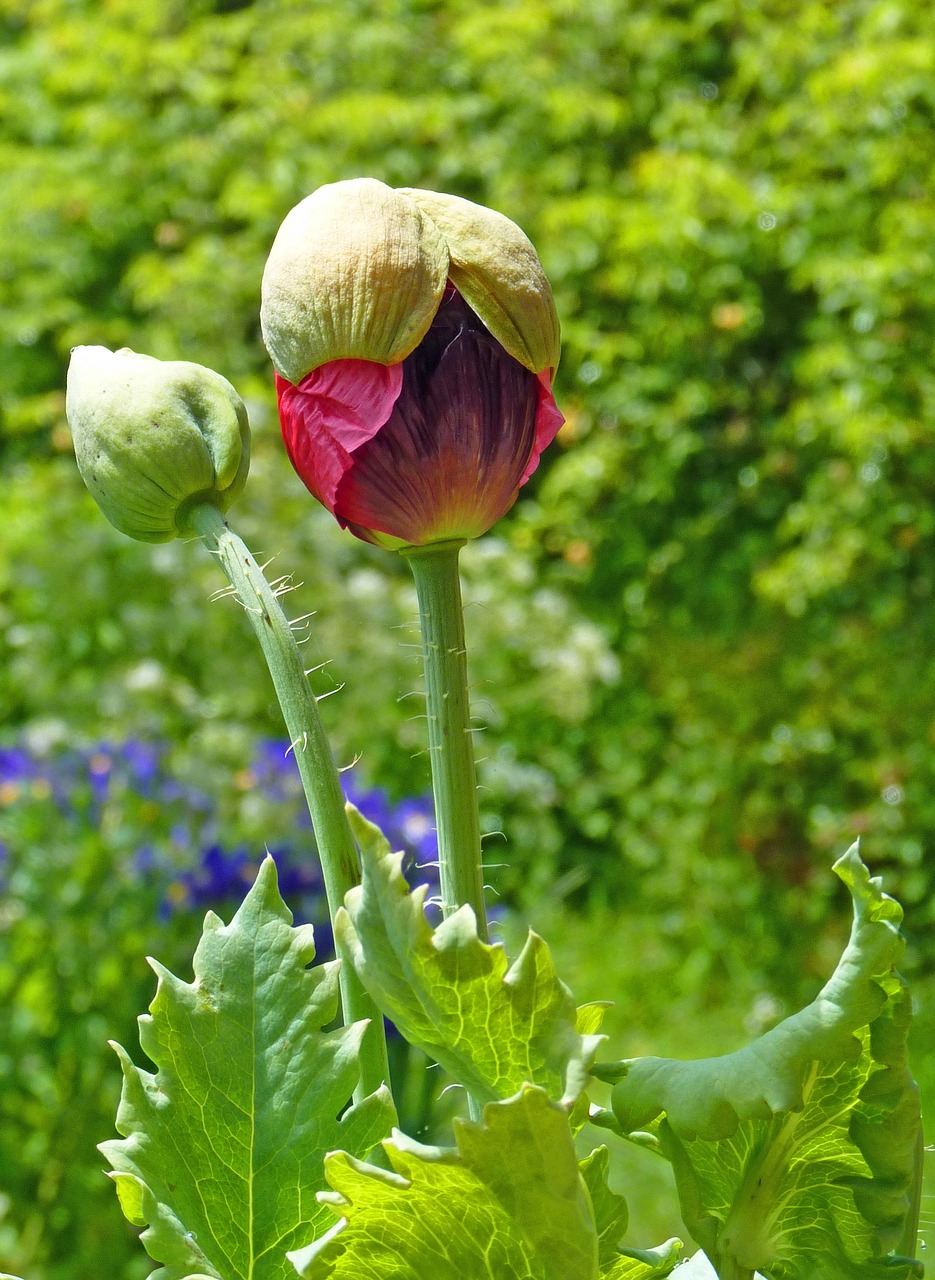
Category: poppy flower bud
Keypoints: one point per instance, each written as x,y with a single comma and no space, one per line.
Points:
414,336
155,438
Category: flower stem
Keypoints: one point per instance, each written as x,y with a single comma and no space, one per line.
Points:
336,846
451,747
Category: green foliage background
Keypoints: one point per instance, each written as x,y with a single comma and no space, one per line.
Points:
704,639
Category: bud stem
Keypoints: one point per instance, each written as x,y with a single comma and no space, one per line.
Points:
451,746
336,846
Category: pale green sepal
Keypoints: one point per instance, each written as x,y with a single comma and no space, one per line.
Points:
153,438
508,1202
223,1147
498,272
709,1097
356,271
492,1027
646,1264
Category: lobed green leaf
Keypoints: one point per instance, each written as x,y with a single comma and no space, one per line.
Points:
611,1215
509,1203
611,1218
494,1028
223,1147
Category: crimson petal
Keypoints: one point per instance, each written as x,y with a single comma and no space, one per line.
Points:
333,411
549,421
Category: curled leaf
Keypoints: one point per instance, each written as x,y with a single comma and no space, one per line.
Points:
798,1157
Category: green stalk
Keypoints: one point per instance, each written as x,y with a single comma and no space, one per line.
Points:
451,747
336,847
909,1244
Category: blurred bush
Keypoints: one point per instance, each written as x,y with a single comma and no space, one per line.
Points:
709,625
704,639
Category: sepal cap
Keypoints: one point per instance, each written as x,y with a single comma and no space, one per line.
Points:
357,271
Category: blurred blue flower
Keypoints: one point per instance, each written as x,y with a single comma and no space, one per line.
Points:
100,765
185,840
16,765
143,760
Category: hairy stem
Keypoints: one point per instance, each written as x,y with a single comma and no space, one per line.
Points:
451,744
451,747
336,847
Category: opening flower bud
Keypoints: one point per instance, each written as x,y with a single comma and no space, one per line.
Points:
415,337
155,438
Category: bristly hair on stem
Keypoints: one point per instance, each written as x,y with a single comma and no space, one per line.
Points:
309,744
450,732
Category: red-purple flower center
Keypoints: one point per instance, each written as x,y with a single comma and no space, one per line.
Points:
432,449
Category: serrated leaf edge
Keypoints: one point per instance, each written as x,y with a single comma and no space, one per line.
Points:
457,931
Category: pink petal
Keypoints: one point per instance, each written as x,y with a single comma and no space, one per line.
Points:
549,419
333,411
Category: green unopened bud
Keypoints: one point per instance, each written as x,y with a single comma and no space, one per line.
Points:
155,438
